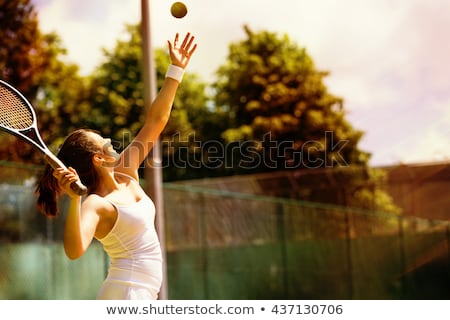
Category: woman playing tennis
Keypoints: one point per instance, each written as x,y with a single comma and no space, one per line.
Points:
116,210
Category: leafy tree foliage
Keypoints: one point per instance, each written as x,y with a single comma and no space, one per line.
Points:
18,47
281,116
33,63
19,43
273,94
60,101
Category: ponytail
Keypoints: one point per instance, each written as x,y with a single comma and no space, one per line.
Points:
47,191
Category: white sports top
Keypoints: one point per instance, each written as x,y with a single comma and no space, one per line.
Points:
135,270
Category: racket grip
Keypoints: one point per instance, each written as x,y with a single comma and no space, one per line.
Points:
54,162
78,187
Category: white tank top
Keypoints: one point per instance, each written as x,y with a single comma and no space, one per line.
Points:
133,245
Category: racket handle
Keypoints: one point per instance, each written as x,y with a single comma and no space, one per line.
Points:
55,163
78,187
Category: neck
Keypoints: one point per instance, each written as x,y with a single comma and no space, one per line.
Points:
107,183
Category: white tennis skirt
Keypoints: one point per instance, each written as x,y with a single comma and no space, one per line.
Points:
131,283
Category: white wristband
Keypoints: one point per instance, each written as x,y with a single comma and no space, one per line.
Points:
175,72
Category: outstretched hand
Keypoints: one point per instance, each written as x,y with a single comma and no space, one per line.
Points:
181,54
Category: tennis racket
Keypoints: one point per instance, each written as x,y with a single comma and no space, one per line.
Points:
17,117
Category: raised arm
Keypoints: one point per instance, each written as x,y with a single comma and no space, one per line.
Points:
159,112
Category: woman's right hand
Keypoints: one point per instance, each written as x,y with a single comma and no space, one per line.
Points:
65,177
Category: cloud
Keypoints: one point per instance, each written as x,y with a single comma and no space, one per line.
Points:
429,145
86,26
411,136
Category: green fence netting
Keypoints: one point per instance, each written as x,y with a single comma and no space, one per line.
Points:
224,245
228,245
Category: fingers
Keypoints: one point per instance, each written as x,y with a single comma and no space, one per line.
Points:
65,177
185,46
180,54
193,50
186,39
187,43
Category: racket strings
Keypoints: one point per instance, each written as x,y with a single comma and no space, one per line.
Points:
14,112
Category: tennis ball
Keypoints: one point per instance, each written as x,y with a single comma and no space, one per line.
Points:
178,10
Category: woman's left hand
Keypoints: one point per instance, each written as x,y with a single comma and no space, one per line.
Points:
65,178
181,54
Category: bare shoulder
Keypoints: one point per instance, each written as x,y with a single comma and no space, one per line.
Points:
102,211
96,204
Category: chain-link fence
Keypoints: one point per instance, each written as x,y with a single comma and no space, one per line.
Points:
225,245
234,245
33,264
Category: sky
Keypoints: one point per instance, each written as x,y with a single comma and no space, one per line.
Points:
388,59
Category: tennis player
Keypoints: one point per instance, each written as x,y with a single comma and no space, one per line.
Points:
116,211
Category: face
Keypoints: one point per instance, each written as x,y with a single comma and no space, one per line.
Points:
108,153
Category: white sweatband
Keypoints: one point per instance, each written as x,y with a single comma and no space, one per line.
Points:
175,72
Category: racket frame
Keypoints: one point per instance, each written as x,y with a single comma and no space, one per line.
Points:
31,135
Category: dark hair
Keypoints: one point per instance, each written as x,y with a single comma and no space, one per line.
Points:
76,152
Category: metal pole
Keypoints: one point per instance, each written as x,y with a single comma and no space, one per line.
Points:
153,172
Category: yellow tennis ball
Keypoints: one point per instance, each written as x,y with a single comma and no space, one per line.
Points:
178,10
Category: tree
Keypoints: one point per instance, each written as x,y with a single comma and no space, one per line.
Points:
34,63
281,116
18,46
274,95
19,43
61,98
